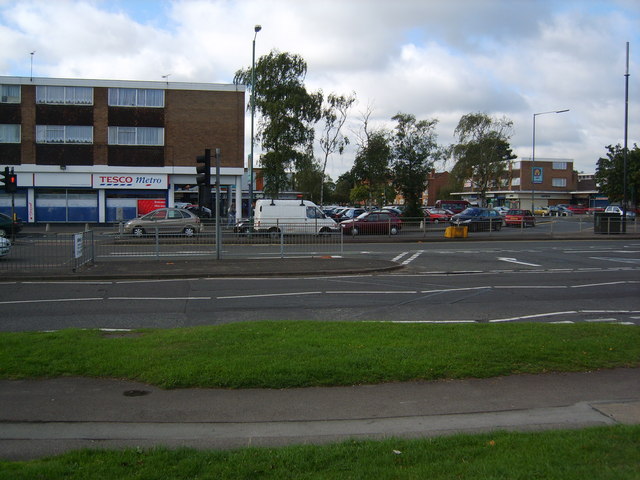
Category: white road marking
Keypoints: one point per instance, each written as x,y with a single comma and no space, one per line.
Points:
398,257
158,298
619,260
52,300
513,260
412,258
269,295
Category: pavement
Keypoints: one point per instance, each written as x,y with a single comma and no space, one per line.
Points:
51,416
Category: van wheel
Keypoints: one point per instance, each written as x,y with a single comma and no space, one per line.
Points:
274,233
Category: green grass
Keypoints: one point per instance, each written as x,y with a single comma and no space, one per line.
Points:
610,453
301,354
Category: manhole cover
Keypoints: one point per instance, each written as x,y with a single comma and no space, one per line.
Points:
136,393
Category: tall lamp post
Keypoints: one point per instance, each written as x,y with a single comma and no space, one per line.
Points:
256,29
533,153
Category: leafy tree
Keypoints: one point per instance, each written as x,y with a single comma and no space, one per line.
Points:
287,115
371,167
610,173
334,115
414,150
345,183
482,152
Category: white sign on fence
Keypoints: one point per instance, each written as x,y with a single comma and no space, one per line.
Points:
77,245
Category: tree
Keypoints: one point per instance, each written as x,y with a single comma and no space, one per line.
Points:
334,114
414,150
287,115
482,152
610,173
371,167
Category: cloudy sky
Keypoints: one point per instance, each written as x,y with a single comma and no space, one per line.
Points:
432,58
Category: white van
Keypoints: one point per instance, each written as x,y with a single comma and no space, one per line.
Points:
291,217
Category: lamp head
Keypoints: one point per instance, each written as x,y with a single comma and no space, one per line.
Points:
257,28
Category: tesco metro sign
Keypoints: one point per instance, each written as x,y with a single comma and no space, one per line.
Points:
130,181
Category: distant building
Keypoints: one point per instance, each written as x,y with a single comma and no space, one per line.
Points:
108,150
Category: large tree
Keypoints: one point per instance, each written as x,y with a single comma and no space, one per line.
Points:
332,140
287,115
482,152
371,168
610,174
414,151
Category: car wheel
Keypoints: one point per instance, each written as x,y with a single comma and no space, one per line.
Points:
393,230
498,227
138,231
324,231
435,220
189,231
3,232
354,231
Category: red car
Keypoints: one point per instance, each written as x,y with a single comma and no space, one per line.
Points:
372,222
437,215
578,209
519,218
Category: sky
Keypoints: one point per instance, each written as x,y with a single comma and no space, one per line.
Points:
434,59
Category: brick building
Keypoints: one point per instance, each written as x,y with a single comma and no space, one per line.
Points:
107,150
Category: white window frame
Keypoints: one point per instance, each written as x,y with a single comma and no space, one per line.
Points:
64,134
6,94
559,182
136,97
559,165
10,133
60,95
140,136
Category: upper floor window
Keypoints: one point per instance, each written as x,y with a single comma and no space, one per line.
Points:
64,95
9,133
559,182
9,93
559,165
136,136
64,134
136,97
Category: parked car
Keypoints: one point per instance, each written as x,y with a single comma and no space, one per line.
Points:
165,220
501,210
350,213
519,218
542,211
396,211
577,209
437,215
379,223
202,212
617,209
560,211
477,218
5,246
7,225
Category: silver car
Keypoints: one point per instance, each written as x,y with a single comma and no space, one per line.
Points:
5,246
165,220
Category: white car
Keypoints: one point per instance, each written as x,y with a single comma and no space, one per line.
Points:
618,210
5,246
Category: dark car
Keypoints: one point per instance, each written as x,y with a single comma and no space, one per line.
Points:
519,218
373,223
478,219
349,213
6,225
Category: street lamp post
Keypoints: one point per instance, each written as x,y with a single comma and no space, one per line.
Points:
533,153
256,29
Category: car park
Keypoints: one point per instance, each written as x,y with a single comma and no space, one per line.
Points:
618,210
7,225
379,222
437,215
5,246
477,218
519,218
165,220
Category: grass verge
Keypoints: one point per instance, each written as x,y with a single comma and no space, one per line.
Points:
301,354
594,454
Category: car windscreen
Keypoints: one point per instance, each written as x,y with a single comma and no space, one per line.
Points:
471,212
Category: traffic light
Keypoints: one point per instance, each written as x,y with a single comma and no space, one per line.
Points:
203,179
10,180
